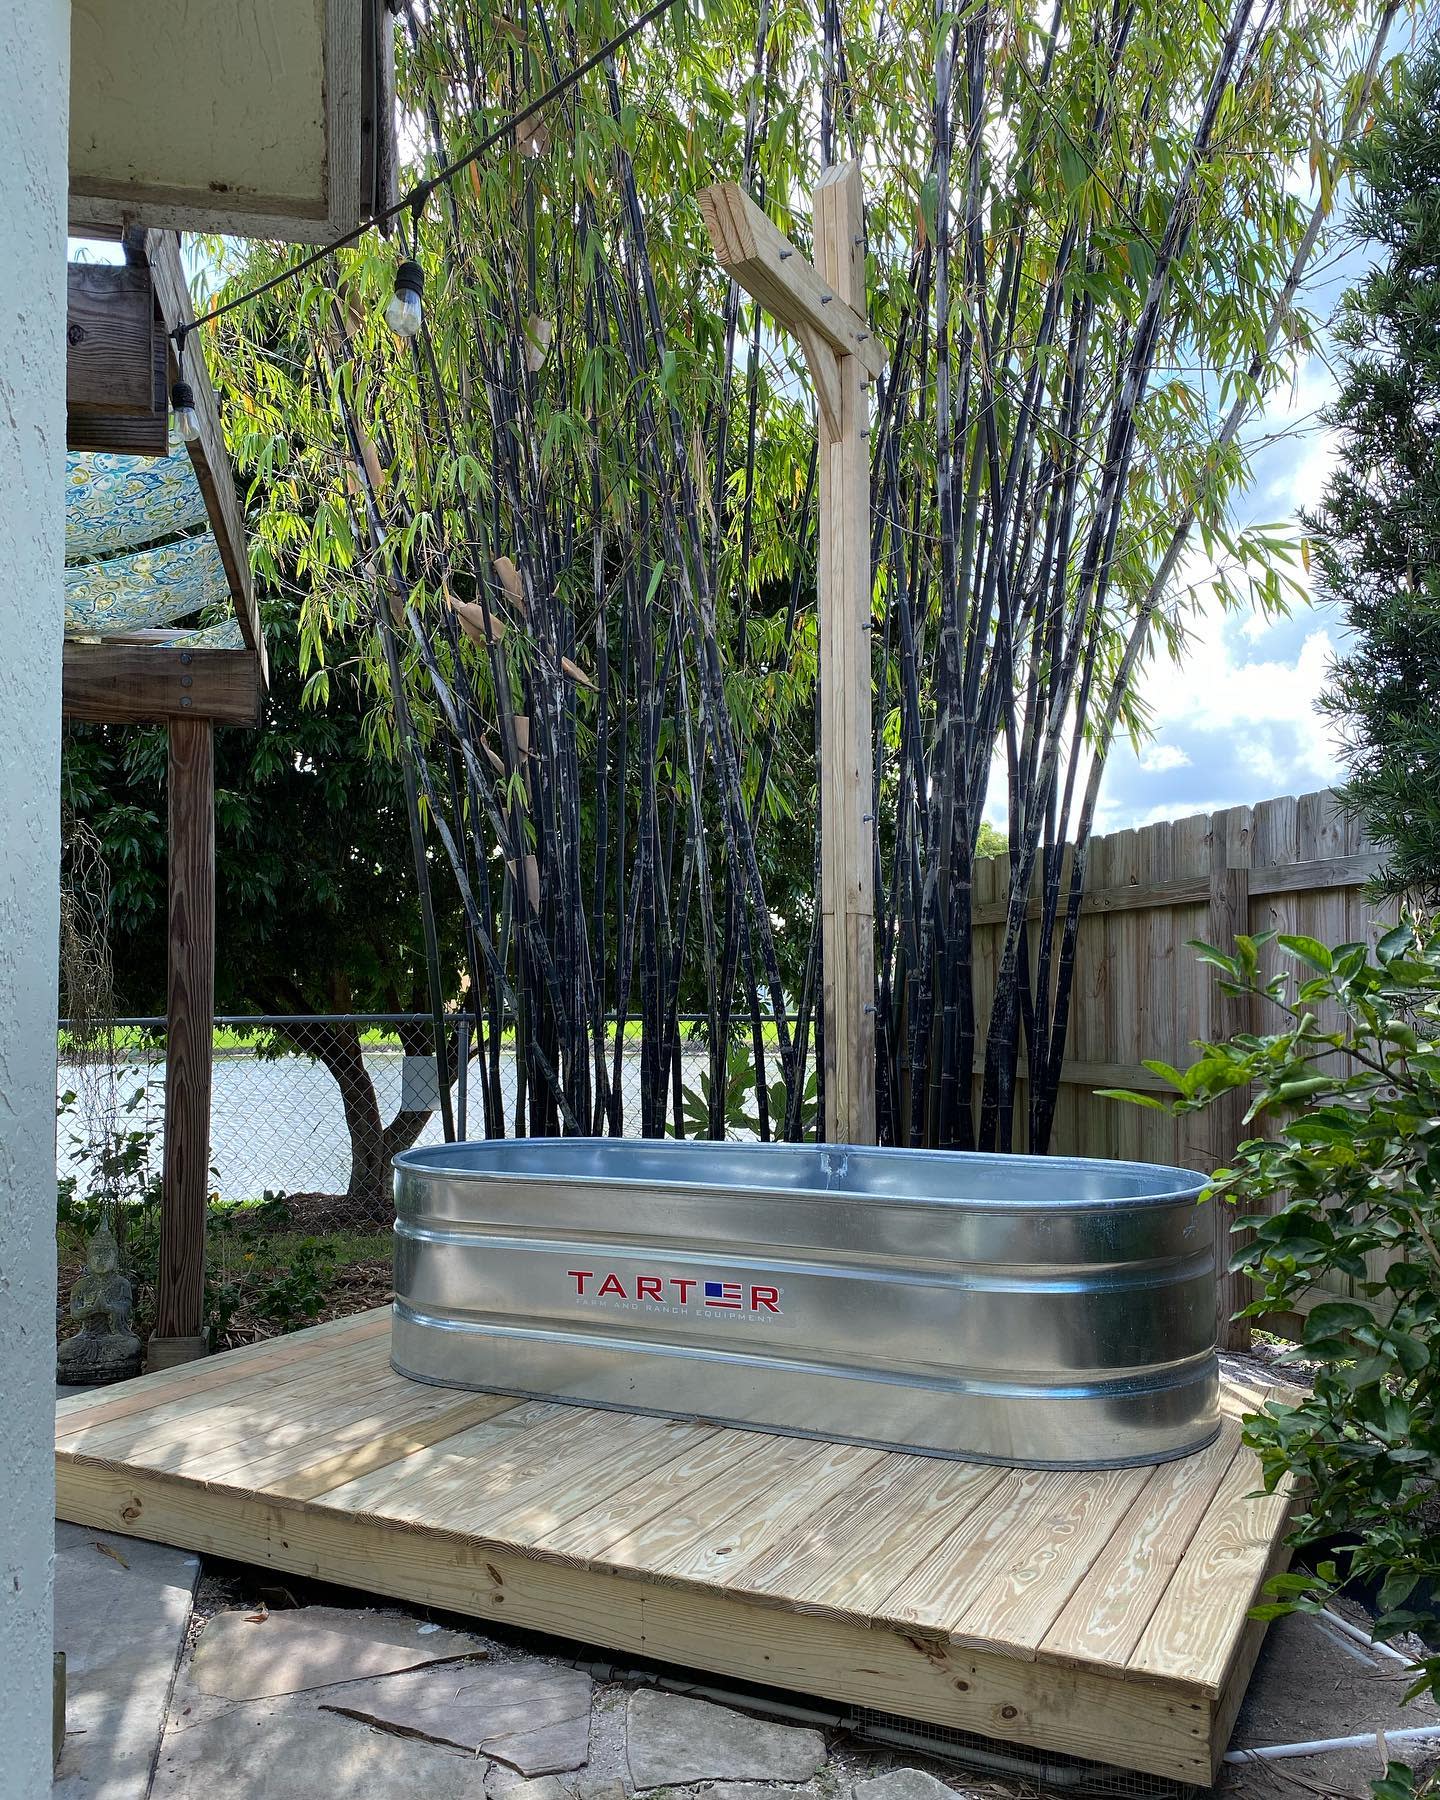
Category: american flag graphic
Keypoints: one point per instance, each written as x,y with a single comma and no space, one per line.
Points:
723,1293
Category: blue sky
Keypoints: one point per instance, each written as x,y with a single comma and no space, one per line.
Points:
1236,721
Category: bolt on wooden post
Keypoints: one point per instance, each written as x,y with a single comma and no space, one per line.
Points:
823,306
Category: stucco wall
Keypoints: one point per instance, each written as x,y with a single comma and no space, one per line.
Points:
33,139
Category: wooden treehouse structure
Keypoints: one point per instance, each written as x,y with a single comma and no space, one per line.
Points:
161,628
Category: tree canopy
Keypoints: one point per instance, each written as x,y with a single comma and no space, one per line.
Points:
316,908
1377,530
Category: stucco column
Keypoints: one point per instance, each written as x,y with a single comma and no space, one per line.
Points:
34,152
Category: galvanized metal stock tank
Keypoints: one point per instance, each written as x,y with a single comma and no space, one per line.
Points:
1021,1309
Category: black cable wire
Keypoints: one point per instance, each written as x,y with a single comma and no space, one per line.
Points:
414,201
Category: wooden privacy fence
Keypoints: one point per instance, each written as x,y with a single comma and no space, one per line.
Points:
1288,865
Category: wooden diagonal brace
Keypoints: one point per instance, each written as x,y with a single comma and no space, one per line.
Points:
824,367
749,248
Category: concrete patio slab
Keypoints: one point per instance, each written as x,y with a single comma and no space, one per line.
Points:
531,1715
122,1608
249,1655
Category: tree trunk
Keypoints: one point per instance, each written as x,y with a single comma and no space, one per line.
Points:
373,1144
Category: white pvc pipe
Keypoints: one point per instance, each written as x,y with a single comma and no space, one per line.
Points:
1343,1642
1412,1734
1361,1636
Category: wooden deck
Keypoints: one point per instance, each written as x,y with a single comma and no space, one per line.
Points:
1101,1613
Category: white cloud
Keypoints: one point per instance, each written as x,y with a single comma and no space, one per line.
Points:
1155,759
1236,721
1237,718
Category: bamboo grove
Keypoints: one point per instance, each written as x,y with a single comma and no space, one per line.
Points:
569,528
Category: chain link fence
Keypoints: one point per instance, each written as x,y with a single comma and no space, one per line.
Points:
306,1114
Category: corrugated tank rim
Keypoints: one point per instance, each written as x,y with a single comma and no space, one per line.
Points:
945,1178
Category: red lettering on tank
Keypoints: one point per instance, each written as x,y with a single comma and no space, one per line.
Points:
613,1285
649,1287
765,1299
684,1286
580,1277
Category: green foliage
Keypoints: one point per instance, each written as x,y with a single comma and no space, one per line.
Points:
315,889
253,1267
740,1106
114,1180
1348,1091
1377,530
1398,1783
261,1275
991,842
243,1275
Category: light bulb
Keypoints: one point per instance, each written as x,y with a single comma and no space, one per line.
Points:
403,313
182,406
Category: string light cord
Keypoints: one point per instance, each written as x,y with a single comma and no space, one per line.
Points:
414,202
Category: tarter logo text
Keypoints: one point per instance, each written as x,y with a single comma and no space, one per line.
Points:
684,1291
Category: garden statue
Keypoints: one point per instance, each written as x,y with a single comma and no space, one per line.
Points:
104,1349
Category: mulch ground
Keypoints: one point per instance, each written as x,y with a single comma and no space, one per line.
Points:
351,1287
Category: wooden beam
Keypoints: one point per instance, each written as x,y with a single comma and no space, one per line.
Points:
1092,1075
847,831
189,1015
116,396
110,340
824,306
208,453
140,684
1311,876
307,184
770,268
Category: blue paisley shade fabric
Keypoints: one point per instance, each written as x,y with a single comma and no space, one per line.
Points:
115,503
223,635
146,588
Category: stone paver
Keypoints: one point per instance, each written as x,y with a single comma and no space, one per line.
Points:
597,1787
528,1714
671,1740
904,1784
121,1613
754,1790
504,1784
246,1655
286,1748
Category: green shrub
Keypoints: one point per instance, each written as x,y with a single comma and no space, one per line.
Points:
1349,1171
742,1105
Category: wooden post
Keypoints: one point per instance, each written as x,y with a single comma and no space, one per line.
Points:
824,306
1229,1013
190,1009
847,855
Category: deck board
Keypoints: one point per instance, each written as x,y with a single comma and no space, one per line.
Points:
1113,1603
1102,1613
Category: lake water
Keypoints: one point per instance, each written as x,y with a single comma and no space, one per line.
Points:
278,1124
